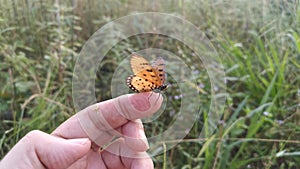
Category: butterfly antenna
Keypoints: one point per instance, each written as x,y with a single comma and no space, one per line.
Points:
170,84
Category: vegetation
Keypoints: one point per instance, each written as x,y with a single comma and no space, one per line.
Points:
258,43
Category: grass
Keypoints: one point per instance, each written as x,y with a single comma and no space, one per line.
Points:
259,46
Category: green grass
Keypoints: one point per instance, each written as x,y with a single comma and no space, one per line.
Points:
259,46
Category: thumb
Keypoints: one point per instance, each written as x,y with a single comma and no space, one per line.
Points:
61,153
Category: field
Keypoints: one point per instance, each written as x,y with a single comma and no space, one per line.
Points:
255,58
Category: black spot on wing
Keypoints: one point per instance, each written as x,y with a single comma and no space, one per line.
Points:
149,70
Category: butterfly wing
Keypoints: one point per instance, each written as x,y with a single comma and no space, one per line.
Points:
146,77
143,69
138,63
139,84
160,68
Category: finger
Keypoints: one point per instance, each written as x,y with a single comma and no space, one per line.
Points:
119,155
91,161
42,150
19,153
98,120
134,135
60,153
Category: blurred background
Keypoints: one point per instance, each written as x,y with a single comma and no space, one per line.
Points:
258,43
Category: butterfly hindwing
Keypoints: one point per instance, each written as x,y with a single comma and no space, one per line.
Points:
139,84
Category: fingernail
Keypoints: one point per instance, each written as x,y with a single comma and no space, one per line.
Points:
140,101
81,141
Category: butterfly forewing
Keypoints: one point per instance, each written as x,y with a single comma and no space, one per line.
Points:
159,66
138,63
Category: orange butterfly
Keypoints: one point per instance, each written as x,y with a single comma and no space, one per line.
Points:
147,77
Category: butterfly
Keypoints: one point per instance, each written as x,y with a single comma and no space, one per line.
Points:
147,77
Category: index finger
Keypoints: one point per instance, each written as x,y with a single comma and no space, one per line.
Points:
109,115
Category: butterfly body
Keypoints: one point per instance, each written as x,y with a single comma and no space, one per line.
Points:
147,77
161,88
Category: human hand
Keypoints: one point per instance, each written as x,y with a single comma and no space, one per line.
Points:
69,146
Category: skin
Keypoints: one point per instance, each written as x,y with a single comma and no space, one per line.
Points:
73,146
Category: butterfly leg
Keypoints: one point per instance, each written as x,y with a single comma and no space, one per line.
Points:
151,95
157,97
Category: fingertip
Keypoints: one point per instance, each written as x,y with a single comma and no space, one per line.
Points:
145,163
118,153
156,99
146,101
140,101
55,152
134,136
139,105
